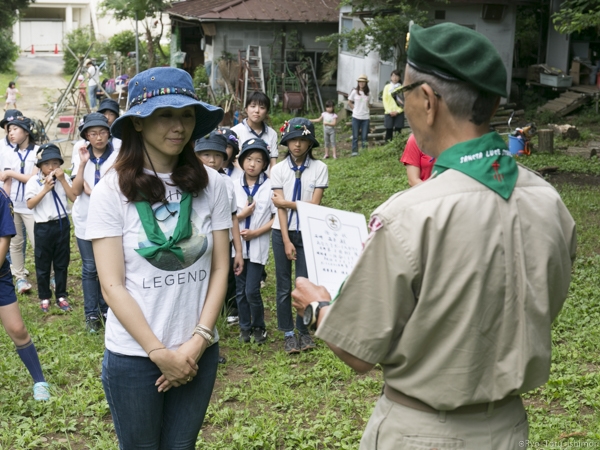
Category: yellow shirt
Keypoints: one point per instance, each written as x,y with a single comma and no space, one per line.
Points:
389,104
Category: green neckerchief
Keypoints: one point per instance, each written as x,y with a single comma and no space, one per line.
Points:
485,159
183,230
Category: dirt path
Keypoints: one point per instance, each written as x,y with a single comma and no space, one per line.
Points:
39,80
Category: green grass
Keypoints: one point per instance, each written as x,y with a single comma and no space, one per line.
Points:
265,399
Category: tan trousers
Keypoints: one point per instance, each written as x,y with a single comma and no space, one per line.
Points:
396,427
16,244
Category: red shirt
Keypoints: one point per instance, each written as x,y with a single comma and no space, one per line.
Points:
413,156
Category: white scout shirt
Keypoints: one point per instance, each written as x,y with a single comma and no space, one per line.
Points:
169,292
263,211
315,176
47,209
17,189
269,135
82,202
5,153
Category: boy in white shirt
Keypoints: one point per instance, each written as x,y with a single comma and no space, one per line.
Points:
256,213
46,194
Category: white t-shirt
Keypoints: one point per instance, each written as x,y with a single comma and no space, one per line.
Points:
17,189
94,75
328,118
269,135
6,149
361,105
47,210
82,202
169,292
315,175
264,209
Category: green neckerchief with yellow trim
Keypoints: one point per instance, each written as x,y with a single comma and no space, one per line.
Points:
485,159
183,229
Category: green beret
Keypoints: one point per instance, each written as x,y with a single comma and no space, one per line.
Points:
454,52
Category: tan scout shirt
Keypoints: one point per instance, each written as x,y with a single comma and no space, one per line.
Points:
456,293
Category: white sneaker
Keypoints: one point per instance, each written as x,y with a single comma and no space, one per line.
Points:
23,286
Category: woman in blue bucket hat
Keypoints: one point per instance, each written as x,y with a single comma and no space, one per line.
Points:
159,224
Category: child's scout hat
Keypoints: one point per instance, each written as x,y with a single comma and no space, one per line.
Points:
251,145
166,87
47,152
232,139
108,104
93,120
215,141
9,115
457,53
24,123
298,127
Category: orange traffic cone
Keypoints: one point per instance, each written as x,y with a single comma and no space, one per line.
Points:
32,50
56,49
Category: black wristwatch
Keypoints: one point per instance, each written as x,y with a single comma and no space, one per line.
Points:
311,313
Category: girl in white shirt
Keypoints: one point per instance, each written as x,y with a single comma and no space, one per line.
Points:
299,177
359,102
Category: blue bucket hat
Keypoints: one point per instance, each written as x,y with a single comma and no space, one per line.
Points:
298,127
254,145
108,104
25,123
215,141
47,152
93,120
9,115
232,139
166,87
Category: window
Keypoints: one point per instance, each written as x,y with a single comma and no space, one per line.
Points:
347,25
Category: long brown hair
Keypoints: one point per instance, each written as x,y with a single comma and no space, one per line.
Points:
189,175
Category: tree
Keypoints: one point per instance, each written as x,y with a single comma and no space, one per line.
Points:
576,16
385,30
149,15
8,11
8,16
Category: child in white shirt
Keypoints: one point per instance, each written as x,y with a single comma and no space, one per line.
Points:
256,213
46,194
329,118
299,177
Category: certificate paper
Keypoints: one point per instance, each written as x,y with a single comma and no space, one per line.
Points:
333,240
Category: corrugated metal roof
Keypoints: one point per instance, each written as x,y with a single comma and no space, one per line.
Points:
258,10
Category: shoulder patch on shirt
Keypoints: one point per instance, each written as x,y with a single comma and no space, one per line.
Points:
375,224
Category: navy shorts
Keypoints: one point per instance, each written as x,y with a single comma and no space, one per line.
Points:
7,288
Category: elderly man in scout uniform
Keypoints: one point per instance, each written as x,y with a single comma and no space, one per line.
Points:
462,276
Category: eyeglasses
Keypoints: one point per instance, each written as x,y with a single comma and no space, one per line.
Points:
163,212
399,93
94,134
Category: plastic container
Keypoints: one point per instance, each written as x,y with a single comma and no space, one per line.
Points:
516,145
556,81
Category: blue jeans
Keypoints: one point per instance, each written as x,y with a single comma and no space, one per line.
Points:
147,419
361,126
251,310
283,275
93,302
92,94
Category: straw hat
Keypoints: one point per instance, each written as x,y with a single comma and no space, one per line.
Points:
363,78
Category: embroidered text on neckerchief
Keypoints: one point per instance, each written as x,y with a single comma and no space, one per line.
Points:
183,230
485,159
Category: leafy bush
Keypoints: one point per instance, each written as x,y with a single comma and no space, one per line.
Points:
9,51
123,42
78,41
